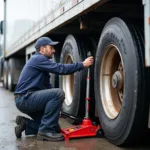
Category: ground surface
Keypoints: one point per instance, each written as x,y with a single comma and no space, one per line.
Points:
8,141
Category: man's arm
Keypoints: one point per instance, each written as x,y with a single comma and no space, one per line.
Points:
58,68
64,69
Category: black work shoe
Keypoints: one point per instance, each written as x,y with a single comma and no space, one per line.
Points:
21,122
54,137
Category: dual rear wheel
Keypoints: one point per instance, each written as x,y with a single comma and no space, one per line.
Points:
119,81
11,71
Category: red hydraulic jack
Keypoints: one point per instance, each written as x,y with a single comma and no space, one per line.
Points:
86,128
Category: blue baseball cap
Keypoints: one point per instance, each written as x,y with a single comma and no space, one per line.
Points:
44,41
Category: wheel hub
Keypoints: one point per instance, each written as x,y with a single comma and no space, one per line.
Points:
117,81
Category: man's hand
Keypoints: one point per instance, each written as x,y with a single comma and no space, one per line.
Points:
88,61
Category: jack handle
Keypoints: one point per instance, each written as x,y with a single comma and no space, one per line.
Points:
87,104
89,54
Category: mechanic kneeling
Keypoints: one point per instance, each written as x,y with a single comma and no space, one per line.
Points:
36,97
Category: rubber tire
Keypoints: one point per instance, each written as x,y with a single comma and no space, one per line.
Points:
131,123
71,47
54,79
11,73
1,69
15,66
78,48
5,73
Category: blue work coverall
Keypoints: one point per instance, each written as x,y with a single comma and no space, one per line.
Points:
35,96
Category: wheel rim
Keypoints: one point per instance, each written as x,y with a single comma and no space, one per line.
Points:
112,81
68,82
9,79
5,79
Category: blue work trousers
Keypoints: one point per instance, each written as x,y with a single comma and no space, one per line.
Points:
43,107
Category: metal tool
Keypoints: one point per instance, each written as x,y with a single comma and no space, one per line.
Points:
86,128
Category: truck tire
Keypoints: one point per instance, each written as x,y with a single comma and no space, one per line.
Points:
54,80
75,50
11,74
15,66
1,69
120,83
72,84
5,71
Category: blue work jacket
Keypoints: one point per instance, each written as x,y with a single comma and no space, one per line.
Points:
35,74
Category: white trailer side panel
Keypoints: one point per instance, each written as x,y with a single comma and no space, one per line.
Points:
23,14
49,16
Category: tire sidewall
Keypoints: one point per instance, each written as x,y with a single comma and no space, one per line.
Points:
70,47
114,33
5,74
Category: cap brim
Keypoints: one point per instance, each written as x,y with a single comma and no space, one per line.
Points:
53,43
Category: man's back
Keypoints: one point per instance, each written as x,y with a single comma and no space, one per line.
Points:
32,77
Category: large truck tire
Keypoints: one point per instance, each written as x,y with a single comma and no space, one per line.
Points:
120,83
15,66
75,50
1,69
54,80
5,73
